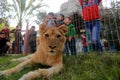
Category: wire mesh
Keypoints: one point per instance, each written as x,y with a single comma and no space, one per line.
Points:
109,31
110,27
109,22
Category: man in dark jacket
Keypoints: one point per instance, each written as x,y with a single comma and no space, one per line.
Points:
4,44
32,39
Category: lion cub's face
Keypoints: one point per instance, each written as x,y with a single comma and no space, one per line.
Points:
52,39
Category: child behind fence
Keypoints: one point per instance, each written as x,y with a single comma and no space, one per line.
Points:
70,42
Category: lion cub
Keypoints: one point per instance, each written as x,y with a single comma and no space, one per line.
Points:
49,52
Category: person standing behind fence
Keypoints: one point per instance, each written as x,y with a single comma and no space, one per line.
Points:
84,43
91,17
32,39
70,42
60,20
50,20
6,30
18,39
5,44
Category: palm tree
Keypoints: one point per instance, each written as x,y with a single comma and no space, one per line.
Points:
40,17
3,8
23,10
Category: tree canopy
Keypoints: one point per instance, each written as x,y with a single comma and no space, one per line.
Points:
24,10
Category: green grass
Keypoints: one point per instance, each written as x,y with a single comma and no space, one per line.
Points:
82,67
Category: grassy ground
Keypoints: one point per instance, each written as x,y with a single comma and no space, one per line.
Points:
82,67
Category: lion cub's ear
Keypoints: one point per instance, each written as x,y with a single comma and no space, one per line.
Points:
42,28
63,29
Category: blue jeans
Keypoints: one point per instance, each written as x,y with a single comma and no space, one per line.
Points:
85,49
70,46
93,34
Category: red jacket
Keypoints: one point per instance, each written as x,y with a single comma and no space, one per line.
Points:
90,9
84,42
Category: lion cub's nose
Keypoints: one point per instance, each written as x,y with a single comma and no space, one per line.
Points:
52,47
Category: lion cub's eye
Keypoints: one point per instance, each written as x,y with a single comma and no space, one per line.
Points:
58,36
46,35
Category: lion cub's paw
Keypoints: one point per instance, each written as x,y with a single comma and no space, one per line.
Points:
3,73
24,77
29,76
6,73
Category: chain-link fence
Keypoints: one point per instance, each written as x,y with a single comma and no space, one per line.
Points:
109,22
109,31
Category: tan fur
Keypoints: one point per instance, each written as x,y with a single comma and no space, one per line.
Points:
49,52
